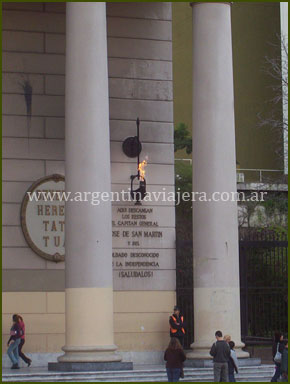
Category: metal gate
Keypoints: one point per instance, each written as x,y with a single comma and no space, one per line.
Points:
184,286
263,283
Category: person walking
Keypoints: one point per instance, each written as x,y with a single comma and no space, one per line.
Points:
15,337
284,363
277,350
176,322
220,351
22,341
174,357
232,363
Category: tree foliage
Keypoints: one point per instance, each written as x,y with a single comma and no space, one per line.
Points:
182,138
276,68
183,183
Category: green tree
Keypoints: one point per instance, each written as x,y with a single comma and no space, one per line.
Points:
183,183
182,138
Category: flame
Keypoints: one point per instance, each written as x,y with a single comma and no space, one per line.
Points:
141,169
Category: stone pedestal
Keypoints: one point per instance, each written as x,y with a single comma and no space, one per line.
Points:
90,367
208,363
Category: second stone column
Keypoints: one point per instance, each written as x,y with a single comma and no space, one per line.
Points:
215,221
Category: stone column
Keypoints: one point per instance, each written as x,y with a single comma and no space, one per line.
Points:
215,223
88,232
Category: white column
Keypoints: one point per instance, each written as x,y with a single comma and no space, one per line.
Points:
88,232
215,223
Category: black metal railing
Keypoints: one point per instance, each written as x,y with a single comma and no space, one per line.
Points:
263,284
184,286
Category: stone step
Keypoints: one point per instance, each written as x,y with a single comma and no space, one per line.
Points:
209,378
133,373
159,369
247,374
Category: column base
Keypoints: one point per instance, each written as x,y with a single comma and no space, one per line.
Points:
208,363
90,366
99,354
201,351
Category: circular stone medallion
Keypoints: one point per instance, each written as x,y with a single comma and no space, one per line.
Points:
43,217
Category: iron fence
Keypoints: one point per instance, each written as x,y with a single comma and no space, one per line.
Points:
263,283
184,286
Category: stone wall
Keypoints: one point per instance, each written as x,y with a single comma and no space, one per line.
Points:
140,85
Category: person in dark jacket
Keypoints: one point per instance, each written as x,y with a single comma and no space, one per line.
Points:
174,357
278,346
176,322
284,364
22,341
15,338
232,363
220,351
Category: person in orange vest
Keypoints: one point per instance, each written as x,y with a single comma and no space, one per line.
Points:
176,322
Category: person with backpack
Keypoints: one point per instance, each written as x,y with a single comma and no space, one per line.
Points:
176,322
22,341
15,338
174,357
220,351
277,350
233,363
